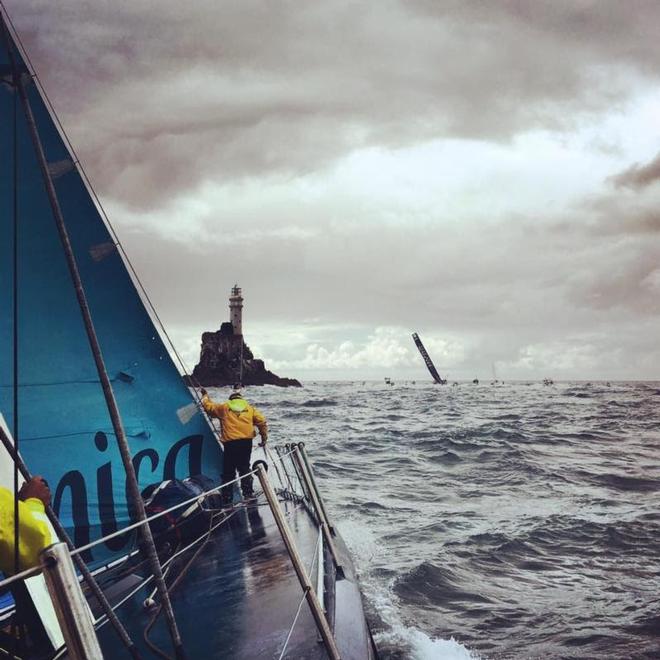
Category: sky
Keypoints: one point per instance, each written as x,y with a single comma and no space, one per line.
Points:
486,174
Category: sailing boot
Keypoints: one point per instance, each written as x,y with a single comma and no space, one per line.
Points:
227,495
246,488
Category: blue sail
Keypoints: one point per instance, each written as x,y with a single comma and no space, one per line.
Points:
63,424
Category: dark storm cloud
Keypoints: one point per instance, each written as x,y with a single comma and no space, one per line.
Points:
161,96
639,176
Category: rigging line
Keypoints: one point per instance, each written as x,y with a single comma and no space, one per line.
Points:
171,588
177,580
264,446
148,519
316,552
102,620
9,654
183,572
15,429
293,625
179,505
295,618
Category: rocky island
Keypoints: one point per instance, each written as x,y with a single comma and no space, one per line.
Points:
225,358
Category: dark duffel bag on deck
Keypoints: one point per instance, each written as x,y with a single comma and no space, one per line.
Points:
202,484
182,525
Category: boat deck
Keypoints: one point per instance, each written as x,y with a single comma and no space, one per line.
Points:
239,596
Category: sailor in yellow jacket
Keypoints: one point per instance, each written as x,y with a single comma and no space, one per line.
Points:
238,420
33,531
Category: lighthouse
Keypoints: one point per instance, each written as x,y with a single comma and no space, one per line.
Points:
225,359
236,310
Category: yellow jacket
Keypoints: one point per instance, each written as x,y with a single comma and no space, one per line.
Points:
237,418
33,532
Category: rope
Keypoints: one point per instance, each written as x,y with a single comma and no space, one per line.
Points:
34,571
166,568
295,618
293,625
316,553
286,472
173,586
15,630
180,577
101,621
159,514
15,319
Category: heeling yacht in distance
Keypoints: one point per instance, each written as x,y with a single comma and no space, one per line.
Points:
84,362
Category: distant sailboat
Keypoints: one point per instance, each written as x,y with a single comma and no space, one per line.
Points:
427,360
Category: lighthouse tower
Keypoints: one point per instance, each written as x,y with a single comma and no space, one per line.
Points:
236,310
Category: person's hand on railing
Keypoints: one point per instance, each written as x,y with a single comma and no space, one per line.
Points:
38,488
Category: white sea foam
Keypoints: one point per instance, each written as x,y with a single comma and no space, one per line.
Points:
426,648
397,635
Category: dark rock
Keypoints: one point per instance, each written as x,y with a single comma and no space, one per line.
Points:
220,363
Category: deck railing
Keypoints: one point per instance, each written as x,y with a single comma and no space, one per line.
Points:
64,585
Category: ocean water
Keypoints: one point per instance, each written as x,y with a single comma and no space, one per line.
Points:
492,521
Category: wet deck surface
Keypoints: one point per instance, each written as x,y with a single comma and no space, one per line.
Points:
239,596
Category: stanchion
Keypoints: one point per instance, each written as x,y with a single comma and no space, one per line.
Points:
291,449
70,605
323,524
312,478
296,560
286,473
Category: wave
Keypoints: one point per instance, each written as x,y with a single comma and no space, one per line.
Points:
620,482
428,584
318,403
447,458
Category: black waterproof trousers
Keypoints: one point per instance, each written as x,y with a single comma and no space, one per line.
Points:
237,457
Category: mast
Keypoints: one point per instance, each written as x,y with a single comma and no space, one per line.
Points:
427,359
113,410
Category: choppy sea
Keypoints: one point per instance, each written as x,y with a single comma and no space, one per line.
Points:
492,521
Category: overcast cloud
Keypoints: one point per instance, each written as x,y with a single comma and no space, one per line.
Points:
486,174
